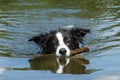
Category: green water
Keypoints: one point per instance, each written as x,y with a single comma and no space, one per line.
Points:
22,19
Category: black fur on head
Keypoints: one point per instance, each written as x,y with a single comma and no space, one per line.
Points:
45,41
79,33
40,39
49,42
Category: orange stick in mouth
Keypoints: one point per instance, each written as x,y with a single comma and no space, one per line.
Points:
80,50
72,53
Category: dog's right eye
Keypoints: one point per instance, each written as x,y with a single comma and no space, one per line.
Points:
55,42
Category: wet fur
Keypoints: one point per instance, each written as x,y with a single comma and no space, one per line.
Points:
49,43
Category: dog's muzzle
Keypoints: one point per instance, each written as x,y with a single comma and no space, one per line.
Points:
62,50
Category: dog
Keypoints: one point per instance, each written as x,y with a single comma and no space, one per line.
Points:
60,41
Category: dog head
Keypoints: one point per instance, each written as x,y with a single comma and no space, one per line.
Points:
60,41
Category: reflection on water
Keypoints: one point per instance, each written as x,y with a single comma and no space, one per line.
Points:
60,65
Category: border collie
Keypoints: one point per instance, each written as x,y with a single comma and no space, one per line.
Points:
60,41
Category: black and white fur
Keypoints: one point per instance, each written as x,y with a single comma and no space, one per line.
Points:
60,41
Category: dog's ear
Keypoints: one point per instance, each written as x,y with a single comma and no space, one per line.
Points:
79,32
41,39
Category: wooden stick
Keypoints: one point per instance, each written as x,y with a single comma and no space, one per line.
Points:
73,52
80,50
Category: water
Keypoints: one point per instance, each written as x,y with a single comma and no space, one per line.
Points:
22,19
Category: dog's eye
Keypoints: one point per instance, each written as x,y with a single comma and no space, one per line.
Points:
55,42
67,40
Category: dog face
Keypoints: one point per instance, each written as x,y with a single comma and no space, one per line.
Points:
60,41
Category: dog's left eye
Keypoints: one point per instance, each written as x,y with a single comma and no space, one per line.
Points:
67,40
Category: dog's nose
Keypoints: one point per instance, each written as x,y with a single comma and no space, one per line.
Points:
62,51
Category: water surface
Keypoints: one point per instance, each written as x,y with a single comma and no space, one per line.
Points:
22,19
